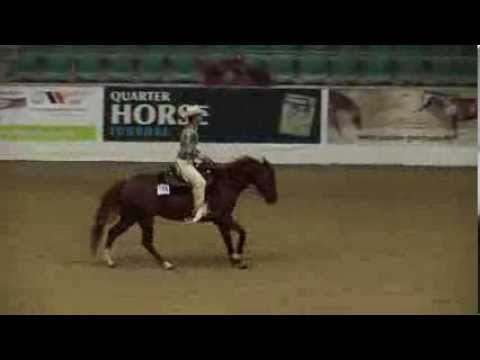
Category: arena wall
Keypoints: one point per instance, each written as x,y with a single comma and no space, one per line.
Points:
78,112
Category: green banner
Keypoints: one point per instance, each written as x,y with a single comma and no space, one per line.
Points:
47,133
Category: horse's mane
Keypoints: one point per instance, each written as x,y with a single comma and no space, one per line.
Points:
241,163
438,93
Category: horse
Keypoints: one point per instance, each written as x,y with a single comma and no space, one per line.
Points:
340,102
139,199
449,107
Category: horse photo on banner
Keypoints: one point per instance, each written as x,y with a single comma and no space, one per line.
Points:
418,116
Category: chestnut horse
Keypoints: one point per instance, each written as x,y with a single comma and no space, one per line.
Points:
139,199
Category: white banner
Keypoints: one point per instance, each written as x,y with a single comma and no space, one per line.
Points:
50,113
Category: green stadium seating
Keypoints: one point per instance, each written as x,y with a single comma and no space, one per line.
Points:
409,71
259,60
185,69
344,68
282,68
441,72
468,51
152,68
219,50
408,50
89,68
314,68
159,49
285,49
378,69
464,71
122,69
59,68
334,64
254,49
26,68
380,49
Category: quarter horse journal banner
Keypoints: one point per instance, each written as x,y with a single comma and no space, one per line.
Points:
248,115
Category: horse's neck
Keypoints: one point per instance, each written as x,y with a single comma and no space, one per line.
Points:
238,178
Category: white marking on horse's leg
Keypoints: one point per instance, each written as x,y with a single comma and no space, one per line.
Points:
236,256
167,265
108,258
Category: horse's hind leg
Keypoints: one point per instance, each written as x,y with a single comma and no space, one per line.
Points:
115,231
147,241
455,127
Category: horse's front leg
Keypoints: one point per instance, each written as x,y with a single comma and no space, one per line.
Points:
235,258
225,230
242,237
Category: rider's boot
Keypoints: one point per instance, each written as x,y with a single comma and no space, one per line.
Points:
199,214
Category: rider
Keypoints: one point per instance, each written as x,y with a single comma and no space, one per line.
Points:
186,159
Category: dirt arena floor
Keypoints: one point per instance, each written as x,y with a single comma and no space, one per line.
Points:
341,240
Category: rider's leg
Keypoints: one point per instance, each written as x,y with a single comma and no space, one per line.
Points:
200,208
191,175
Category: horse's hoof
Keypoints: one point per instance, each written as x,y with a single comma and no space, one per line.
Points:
237,261
234,262
242,266
167,266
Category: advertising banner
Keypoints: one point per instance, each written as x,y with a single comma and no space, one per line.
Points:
243,115
417,116
53,113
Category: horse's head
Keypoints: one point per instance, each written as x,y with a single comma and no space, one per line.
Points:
263,178
430,98
246,171
426,101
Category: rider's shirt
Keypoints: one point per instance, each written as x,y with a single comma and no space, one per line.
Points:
188,144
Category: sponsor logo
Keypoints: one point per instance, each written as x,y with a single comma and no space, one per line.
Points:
58,98
147,114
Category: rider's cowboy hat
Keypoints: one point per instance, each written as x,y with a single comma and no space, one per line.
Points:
193,110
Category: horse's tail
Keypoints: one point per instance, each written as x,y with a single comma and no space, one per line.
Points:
109,206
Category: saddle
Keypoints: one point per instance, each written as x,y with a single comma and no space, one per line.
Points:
175,181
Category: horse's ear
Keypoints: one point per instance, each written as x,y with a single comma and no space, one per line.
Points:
266,163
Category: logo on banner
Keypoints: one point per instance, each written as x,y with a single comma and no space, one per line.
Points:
57,98
144,115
